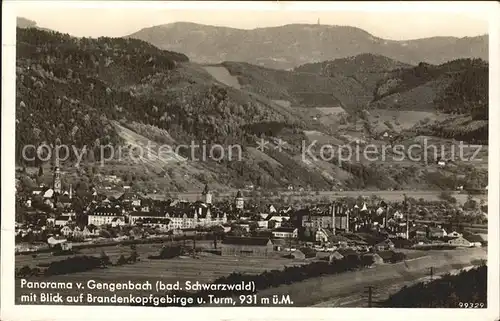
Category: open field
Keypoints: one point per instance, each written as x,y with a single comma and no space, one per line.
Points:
337,290
403,119
204,269
222,75
331,110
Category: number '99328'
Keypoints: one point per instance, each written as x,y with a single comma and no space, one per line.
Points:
471,305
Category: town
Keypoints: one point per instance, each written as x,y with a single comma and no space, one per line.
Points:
55,217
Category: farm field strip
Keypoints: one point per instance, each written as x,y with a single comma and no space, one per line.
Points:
185,266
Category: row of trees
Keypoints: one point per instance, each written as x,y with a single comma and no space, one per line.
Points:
77,264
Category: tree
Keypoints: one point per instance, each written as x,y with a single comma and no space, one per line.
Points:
105,261
447,197
134,256
121,260
289,240
237,230
308,234
470,204
253,227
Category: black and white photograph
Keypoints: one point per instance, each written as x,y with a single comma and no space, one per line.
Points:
246,155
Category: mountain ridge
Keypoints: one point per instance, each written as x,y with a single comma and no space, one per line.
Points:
288,46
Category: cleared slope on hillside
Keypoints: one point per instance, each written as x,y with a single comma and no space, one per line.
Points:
301,89
223,75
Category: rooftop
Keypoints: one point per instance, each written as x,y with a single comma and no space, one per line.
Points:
253,241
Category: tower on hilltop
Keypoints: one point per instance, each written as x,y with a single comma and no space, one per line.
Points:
57,180
207,195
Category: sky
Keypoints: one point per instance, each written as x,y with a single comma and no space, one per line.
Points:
395,20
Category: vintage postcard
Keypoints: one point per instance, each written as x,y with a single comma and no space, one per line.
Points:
267,160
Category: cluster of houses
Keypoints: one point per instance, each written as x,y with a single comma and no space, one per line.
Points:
330,226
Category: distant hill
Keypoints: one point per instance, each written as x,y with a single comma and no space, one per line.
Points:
362,63
292,45
27,23
366,69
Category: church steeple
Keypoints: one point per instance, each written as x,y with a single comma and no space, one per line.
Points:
207,195
239,201
57,180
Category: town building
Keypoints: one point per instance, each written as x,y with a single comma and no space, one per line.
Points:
385,245
138,217
324,216
454,234
160,223
60,220
277,218
285,232
104,215
435,232
118,221
460,242
66,231
247,246
180,218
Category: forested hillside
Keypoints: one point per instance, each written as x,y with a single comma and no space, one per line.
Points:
458,88
68,88
94,92
73,91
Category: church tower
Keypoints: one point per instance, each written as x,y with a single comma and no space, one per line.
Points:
57,181
239,201
207,195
